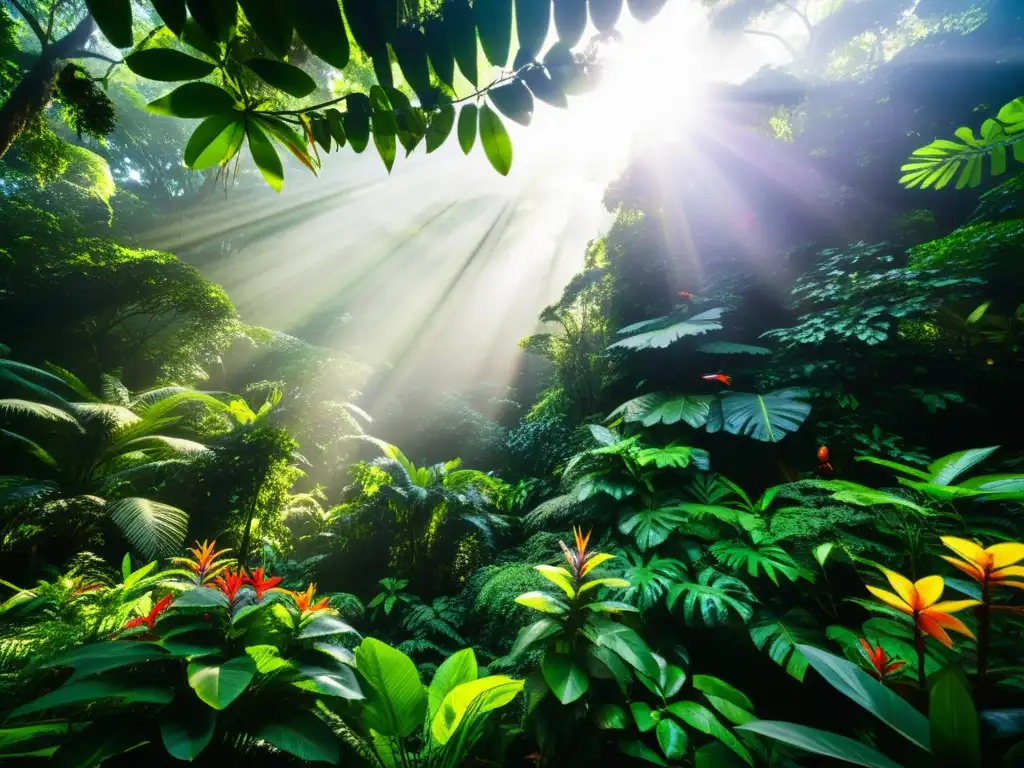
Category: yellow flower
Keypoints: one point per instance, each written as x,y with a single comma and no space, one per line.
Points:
919,600
990,566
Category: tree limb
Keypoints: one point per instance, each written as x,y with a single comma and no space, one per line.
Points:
93,55
32,22
792,51
801,14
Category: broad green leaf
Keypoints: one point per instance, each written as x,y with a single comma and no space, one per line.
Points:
672,739
978,313
532,20
319,24
567,680
220,683
471,700
642,716
336,125
905,469
460,27
955,737
442,60
267,658
284,77
194,36
661,408
95,690
440,125
703,719
542,601
99,741
611,717
214,141
272,22
30,740
467,127
396,701
625,642
544,87
356,120
820,743
114,18
193,100
513,100
295,143
494,22
495,140
172,12
217,18
560,577
302,734
768,418
570,20
533,634
611,606
782,639
200,597
459,668
322,624
641,751
949,468
265,156
387,148
650,526
333,680
186,731
713,686
410,47
728,348
608,583
883,703
660,332
167,65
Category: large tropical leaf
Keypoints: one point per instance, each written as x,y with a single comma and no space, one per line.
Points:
396,701
821,743
469,700
663,408
663,332
678,456
154,529
768,418
949,468
712,598
650,525
781,636
650,580
755,558
38,411
728,348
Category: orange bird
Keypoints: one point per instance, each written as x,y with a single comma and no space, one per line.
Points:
685,295
720,377
824,465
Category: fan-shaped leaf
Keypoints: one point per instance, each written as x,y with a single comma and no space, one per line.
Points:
665,333
154,529
768,418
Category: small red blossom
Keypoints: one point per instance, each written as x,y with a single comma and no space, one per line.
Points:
230,582
260,583
882,666
149,620
304,600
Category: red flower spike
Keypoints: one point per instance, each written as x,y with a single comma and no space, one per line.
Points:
204,563
882,666
230,582
260,583
149,620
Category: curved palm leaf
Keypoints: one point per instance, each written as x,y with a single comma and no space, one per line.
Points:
154,529
35,380
768,418
664,408
16,407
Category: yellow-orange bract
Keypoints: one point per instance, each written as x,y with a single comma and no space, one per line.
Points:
990,566
919,600
304,600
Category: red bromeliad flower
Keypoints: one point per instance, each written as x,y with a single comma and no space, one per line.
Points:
261,584
304,600
150,619
230,582
204,563
882,666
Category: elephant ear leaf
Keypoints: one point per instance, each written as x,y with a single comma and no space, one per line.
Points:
660,332
768,418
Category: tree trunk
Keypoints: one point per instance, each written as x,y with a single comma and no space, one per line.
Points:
33,93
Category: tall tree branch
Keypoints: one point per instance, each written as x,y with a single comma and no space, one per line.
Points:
801,14
792,51
31,20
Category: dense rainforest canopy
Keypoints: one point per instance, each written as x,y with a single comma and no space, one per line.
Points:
280,486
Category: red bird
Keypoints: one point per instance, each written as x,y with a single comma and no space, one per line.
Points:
685,295
824,465
720,377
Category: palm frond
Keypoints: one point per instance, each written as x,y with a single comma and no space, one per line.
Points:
31,409
35,380
164,445
153,528
114,391
73,382
31,446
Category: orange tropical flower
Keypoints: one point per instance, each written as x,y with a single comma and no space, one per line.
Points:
230,582
991,566
150,619
881,664
304,600
260,583
204,563
919,600
577,558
